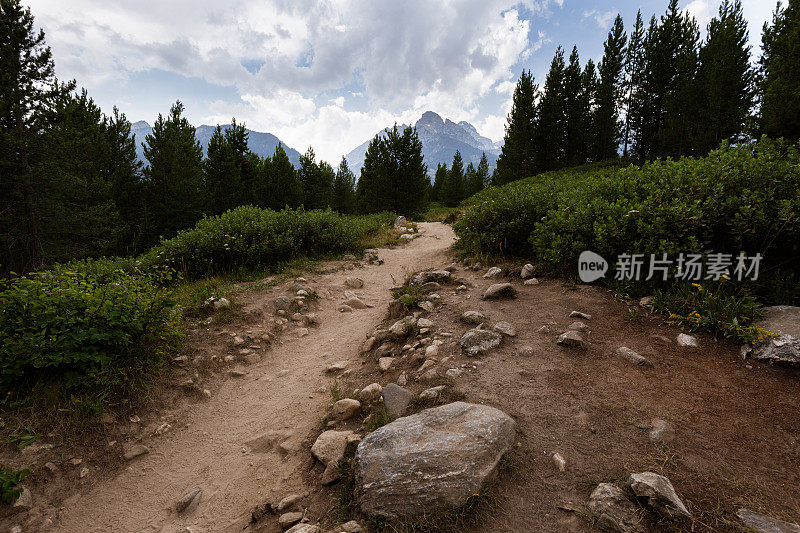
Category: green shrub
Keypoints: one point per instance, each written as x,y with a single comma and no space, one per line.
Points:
84,332
743,199
9,483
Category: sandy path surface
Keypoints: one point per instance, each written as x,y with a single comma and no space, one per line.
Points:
208,448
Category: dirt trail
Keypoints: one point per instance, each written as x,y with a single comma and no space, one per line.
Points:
207,449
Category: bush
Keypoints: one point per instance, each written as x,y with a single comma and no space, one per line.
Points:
249,237
9,483
83,331
742,199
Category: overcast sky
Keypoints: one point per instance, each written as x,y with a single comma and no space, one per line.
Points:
329,73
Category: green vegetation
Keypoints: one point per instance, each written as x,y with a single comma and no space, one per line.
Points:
9,483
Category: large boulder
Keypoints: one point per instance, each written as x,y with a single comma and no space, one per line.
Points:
432,461
427,276
500,290
658,492
784,322
480,341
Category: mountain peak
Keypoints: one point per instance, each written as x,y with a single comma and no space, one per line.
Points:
430,118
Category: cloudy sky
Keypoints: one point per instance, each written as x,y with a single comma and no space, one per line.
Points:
328,73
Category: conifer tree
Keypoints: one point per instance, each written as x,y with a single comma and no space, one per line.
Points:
223,176
317,185
577,111
609,92
126,176
278,182
517,159
780,73
28,94
174,176
439,179
453,189
634,77
344,189
551,127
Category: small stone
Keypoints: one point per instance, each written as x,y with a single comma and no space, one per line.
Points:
237,373
687,341
479,341
84,472
221,303
354,283
500,290
402,328
532,281
431,394
289,519
239,341
429,287
425,305
396,308
526,272
662,431
132,451
344,308
473,317
368,344
492,273
24,501
350,527
51,467
288,502
189,501
614,511
559,461
396,399
646,302
402,379
571,339
75,461
526,351
206,393
633,357
298,317
662,339
371,393
477,266
544,329
432,351
282,303
346,409
578,326
356,303
453,372
424,323
304,528
385,363
506,329
338,366
578,314
659,493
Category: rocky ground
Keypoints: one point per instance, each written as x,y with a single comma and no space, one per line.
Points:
595,414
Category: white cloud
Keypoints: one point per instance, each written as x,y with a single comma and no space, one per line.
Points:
603,19
702,11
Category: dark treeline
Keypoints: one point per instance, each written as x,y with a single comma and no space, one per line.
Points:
452,186
657,92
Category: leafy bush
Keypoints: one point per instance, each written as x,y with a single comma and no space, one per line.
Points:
736,199
9,483
720,309
250,237
83,331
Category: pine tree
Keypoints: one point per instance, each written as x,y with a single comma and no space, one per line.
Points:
28,95
344,189
482,173
453,189
476,178
174,176
780,74
517,159
223,176
394,176
589,84
634,77
316,185
281,187
577,112
609,93
551,127
126,176
439,180
725,77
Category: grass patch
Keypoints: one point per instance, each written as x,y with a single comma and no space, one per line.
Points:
378,417
438,212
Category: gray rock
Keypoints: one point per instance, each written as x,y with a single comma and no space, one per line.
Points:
633,357
289,519
614,511
571,339
385,363
424,323
662,431
579,314
473,317
132,451
532,281
431,394
356,303
402,328
578,326
658,492
189,501
544,329
221,303
346,409
350,527
396,309
329,448
526,351
338,366
687,341
282,303
429,287
288,502
438,276
24,501
492,273
426,305
761,523
353,283
402,379
500,290
526,272
400,222
396,399
784,322
646,302
432,461
304,528
344,308
480,341
371,393
504,328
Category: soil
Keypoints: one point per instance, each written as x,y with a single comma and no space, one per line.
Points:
737,431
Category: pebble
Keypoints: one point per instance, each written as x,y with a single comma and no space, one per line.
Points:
579,314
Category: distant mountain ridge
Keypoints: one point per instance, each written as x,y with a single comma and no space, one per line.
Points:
260,143
440,140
